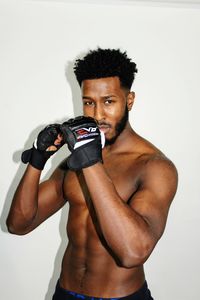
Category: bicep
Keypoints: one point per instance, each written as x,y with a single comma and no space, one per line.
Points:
154,196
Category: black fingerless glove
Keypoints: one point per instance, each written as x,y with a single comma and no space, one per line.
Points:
84,140
38,155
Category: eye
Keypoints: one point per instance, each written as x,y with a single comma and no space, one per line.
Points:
88,103
108,101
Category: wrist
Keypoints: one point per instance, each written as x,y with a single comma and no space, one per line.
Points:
38,159
35,157
85,156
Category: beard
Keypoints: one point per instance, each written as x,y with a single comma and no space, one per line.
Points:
118,128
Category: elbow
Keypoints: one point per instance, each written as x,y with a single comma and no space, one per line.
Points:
131,259
10,227
18,224
13,229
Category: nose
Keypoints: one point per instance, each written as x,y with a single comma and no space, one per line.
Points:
99,113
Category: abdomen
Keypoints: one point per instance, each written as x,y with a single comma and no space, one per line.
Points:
89,267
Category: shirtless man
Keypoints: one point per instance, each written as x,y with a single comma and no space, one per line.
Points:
119,197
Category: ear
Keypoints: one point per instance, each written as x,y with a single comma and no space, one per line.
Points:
130,100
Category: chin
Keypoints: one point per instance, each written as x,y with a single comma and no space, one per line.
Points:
110,141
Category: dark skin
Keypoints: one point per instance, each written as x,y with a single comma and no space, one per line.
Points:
117,210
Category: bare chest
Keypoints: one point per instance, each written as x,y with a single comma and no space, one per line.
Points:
82,226
124,175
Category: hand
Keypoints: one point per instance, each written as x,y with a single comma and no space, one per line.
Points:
48,142
84,140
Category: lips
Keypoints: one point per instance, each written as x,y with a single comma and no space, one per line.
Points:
104,128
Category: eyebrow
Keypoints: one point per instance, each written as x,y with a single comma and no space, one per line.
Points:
103,97
86,98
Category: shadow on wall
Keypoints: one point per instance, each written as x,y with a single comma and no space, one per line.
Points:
55,161
77,107
75,89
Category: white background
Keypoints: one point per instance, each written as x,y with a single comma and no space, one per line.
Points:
39,40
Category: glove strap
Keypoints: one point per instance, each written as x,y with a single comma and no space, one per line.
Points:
35,157
85,156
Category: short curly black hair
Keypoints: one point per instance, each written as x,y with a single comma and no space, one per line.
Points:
103,63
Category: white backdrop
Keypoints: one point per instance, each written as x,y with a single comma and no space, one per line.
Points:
38,41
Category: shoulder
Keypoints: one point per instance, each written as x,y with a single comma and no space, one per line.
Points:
159,175
153,161
158,164
156,170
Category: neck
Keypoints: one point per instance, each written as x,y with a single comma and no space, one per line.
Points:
122,140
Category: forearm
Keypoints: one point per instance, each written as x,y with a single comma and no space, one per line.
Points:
125,231
25,201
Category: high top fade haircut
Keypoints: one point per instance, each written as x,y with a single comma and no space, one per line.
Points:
103,63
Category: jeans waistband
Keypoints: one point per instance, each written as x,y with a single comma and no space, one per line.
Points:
140,294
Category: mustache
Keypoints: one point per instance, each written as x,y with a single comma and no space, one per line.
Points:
101,124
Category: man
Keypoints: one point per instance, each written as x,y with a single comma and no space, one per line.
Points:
118,196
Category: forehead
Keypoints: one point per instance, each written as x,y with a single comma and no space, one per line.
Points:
101,86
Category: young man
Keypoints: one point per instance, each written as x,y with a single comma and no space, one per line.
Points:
118,196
